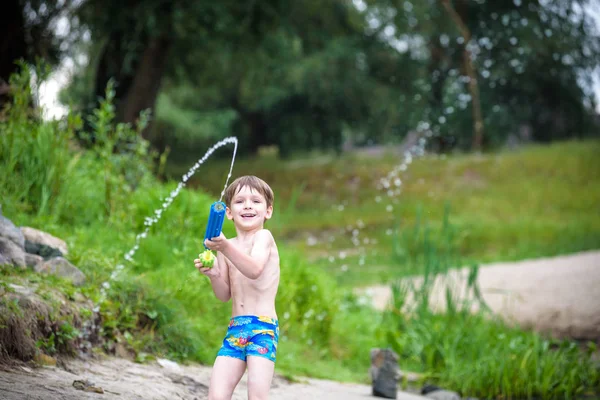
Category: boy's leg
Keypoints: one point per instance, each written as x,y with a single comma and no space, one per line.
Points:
226,374
260,374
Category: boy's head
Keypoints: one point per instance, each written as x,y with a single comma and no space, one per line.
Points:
246,189
254,183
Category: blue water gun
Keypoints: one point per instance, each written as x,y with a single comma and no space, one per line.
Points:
215,221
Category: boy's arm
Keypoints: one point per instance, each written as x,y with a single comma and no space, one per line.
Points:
251,266
220,283
219,277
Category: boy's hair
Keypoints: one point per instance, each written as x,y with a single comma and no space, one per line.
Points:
253,183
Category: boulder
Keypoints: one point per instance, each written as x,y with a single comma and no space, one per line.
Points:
9,231
42,238
33,260
63,268
12,253
385,373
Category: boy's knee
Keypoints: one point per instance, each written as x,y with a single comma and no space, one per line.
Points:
219,395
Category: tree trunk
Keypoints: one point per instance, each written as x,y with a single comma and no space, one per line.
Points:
437,58
257,131
110,66
12,44
471,73
144,88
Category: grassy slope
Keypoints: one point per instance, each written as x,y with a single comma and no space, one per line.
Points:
541,200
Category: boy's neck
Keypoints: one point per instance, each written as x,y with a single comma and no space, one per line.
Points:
244,235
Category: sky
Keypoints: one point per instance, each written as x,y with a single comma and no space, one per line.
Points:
48,93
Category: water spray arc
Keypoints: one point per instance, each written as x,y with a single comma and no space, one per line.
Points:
149,221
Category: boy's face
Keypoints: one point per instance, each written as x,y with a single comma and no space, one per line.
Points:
248,209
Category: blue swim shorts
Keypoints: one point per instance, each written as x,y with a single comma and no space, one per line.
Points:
249,335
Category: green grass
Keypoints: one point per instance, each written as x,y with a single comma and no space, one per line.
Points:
539,201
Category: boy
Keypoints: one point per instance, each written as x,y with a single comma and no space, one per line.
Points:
247,271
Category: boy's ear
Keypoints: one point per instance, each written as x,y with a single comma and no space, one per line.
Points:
269,212
228,213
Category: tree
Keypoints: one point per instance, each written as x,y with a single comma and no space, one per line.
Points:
317,77
527,60
145,40
311,74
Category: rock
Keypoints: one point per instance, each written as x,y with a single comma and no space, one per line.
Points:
428,388
384,373
22,290
9,231
192,385
443,395
44,238
63,268
33,260
87,386
4,260
12,253
46,252
170,365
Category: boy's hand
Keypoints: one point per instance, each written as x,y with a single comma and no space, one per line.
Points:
218,243
210,272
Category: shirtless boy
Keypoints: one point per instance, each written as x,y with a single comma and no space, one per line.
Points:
247,271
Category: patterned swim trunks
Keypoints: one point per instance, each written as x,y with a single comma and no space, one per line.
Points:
249,335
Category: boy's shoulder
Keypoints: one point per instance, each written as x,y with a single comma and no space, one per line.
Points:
263,234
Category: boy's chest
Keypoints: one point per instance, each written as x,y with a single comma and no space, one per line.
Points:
244,247
239,281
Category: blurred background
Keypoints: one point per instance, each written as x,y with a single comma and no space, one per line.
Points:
319,75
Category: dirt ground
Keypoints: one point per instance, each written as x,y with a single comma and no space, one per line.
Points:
560,295
122,379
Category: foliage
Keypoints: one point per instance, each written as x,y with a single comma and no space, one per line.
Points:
34,156
59,341
114,144
47,177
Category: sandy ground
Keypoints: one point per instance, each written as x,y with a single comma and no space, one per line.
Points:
560,294
122,379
